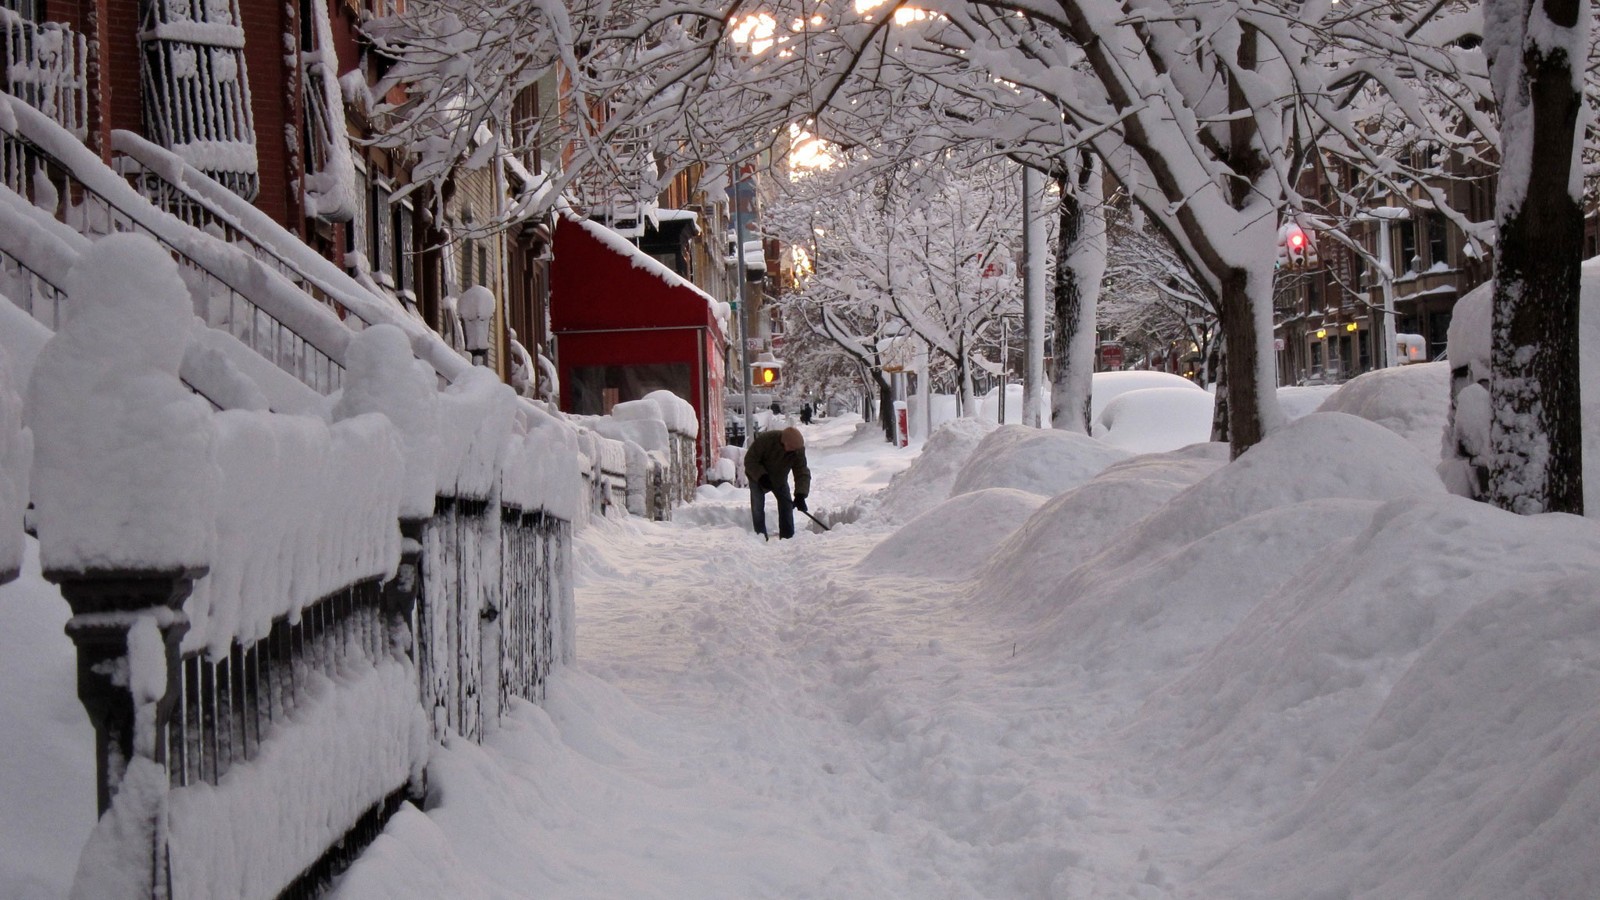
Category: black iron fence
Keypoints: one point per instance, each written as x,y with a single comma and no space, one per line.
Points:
478,613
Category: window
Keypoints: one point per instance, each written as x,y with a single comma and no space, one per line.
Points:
29,10
1408,246
595,389
403,230
356,233
194,81
382,221
1438,243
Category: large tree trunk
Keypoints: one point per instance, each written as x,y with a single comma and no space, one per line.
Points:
1215,372
1081,263
1244,389
1536,441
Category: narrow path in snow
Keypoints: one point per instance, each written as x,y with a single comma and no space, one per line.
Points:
754,719
871,713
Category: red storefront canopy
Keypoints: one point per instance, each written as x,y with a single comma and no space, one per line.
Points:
625,324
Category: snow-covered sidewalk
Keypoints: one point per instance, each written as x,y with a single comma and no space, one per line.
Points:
1310,672
757,719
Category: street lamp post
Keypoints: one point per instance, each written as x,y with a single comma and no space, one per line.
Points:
1383,215
742,306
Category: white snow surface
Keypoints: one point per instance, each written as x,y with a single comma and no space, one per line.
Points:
927,481
1154,420
1303,400
1107,386
123,453
1308,672
1412,401
953,538
47,794
381,376
16,463
1039,460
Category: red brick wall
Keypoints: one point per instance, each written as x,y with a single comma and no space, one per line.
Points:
264,27
121,105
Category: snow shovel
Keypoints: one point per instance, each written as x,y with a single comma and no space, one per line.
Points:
813,518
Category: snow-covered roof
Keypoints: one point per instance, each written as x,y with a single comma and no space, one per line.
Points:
640,259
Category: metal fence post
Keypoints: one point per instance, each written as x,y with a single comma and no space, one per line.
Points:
106,606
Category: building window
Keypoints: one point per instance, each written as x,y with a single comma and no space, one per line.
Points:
1408,246
196,89
403,225
382,219
358,240
1438,243
29,10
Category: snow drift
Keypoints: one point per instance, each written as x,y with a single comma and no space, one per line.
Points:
954,538
927,482
1039,461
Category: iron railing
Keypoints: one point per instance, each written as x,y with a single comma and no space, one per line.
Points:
45,181
45,66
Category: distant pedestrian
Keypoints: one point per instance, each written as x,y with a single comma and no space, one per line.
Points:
768,462
805,414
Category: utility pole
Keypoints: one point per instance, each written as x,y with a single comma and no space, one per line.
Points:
742,306
1383,215
1033,320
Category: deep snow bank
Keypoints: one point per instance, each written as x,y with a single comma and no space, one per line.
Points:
1179,580
1320,456
1107,386
1153,420
1074,526
1335,674
927,481
1411,401
1040,461
1477,778
954,538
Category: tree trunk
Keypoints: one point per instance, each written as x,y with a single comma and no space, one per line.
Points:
1081,263
1242,393
1215,372
1536,440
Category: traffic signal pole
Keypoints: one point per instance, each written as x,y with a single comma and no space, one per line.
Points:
742,305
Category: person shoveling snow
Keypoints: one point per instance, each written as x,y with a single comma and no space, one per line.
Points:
772,457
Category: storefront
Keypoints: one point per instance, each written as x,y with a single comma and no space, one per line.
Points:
625,325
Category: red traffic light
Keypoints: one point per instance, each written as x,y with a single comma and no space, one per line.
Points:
1297,239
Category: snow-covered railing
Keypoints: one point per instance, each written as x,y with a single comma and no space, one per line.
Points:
169,183
188,194
657,434
45,67
234,292
260,600
495,594
603,463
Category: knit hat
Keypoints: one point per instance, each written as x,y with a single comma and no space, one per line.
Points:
793,440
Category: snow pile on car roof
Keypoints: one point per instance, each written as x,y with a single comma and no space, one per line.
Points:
1411,401
1038,460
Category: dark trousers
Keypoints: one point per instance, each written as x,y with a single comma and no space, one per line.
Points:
758,508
